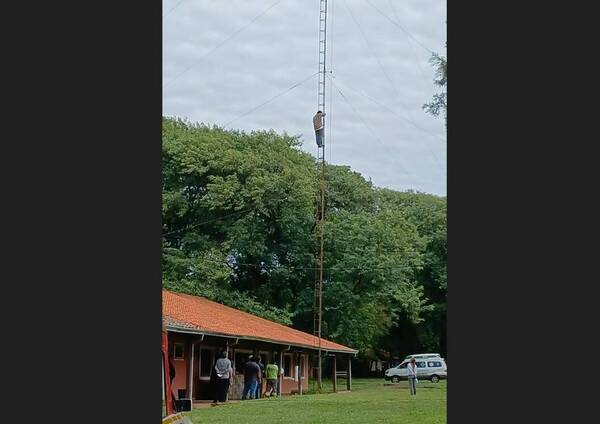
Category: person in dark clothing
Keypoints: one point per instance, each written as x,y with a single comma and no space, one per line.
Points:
262,376
251,378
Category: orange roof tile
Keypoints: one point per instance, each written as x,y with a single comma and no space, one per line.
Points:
199,313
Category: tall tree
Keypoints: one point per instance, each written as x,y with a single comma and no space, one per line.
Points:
237,211
429,215
238,218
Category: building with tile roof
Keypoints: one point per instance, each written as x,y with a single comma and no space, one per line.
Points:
198,329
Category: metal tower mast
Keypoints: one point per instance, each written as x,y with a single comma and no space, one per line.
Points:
318,303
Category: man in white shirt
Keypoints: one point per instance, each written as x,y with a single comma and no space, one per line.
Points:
412,376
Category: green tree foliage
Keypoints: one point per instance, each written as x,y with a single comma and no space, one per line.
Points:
238,215
372,260
439,103
429,215
231,199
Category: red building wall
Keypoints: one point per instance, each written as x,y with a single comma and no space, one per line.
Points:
290,384
180,381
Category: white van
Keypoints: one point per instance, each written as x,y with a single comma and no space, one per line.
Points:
429,367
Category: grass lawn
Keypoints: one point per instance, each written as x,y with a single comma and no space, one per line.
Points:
371,401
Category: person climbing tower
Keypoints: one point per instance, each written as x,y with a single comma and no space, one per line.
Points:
319,124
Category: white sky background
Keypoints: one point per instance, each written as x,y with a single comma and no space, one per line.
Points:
212,78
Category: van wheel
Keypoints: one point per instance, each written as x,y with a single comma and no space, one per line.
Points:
434,378
395,379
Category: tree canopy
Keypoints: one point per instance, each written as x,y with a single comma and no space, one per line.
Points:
238,215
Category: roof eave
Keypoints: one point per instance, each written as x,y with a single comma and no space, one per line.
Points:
260,339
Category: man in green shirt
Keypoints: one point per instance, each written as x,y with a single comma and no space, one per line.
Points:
271,373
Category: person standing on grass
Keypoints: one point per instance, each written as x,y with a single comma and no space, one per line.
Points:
223,375
262,376
412,376
271,372
251,378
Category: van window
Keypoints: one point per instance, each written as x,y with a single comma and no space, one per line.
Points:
434,364
403,365
421,364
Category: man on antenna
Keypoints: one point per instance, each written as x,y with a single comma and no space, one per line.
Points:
319,124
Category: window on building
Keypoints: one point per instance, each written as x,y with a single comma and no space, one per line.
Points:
265,357
178,351
206,362
302,368
287,365
241,357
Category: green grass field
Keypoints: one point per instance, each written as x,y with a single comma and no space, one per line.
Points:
371,401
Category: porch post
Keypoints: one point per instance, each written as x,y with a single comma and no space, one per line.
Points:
280,377
334,373
255,352
190,393
231,356
299,373
349,373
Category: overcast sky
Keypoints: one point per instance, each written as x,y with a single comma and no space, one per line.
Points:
223,58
